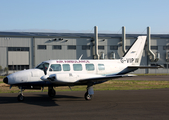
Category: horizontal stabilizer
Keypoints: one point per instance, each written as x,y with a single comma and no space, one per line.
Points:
146,67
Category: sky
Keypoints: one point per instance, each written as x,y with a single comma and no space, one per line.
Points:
80,16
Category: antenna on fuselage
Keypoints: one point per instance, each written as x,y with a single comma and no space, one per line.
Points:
81,57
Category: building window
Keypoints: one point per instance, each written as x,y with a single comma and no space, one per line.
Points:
154,47
18,48
42,47
127,47
113,47
85,47
101,47
71,47
166,66
18,67
57,47
165,47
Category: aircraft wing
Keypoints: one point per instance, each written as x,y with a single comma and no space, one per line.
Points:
83,78
102,79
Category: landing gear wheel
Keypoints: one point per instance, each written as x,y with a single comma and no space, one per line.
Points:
51,93
20,97
87,96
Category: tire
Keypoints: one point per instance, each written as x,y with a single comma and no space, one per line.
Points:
51,93
20,98
87,96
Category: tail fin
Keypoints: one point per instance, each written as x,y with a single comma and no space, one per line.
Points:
134,53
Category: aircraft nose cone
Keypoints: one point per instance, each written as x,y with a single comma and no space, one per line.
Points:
5,80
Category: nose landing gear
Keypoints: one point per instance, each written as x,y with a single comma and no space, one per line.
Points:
20,96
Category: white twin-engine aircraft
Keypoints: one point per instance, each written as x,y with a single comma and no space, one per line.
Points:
55,73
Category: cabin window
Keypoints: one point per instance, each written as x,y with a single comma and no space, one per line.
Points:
43,66
89,67
66,67
101,67
77,67
55,67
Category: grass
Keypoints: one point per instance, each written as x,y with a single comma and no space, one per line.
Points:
133,85
110,85
153,74
1,77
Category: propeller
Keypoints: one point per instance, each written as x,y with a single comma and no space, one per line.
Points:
47,77
44,77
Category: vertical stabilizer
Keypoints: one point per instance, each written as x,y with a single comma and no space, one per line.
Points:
134,54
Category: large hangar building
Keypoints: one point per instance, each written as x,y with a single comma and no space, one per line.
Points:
24,50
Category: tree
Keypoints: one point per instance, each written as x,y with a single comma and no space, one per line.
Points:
6,70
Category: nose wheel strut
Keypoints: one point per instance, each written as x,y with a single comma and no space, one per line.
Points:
20,96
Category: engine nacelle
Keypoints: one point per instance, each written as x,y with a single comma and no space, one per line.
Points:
44,78
64,77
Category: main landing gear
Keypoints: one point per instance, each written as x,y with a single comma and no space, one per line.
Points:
87,96
20,96
51,92
89,93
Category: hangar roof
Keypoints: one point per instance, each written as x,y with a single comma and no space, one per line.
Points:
81,35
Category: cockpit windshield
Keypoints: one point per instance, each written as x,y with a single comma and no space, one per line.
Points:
43,66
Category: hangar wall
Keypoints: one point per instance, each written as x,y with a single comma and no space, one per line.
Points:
68,48
15,53
20,51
